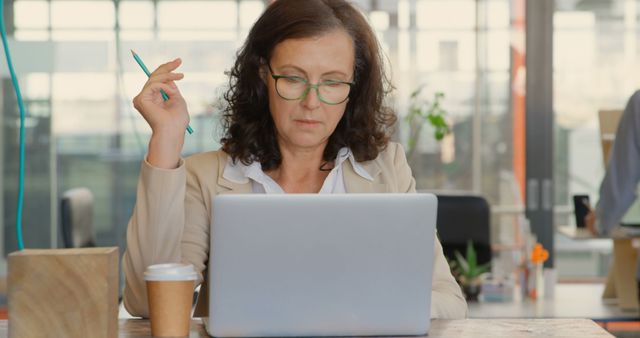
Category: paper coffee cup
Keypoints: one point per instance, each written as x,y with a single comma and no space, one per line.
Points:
170,293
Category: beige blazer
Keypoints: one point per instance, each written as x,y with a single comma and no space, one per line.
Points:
171,218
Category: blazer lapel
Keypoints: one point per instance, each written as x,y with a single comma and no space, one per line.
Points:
355,183
229,187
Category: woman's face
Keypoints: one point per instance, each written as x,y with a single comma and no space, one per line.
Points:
308,122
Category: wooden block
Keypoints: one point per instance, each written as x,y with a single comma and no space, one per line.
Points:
63,293
609,120
626,286
610,285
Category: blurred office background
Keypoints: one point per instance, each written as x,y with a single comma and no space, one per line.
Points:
78,79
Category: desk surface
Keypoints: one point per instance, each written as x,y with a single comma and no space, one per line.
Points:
583,328
621,232
570,301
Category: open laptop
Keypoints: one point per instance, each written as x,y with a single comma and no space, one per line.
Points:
321,265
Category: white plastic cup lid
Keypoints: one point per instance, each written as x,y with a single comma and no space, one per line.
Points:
170,272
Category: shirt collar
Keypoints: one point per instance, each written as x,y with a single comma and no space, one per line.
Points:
240,173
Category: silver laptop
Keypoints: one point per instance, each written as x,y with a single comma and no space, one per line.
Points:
321,265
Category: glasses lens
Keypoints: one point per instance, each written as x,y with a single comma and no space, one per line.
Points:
291,88
333,92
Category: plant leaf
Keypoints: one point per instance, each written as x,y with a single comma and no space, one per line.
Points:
417,91
421,110
471,256
464,267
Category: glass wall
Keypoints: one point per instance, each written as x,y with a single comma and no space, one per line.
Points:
463,49
596,67
87,83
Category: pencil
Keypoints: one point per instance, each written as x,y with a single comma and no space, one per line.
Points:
146,71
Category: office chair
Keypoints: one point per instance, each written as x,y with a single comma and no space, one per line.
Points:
76,210
462,218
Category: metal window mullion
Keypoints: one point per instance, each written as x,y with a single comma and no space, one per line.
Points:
539,121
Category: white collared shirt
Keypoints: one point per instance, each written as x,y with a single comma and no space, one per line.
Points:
263,184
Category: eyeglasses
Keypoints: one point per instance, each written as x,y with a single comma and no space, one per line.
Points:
296,88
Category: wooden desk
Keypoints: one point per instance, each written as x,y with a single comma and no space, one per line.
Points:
621,284
582,328
570,301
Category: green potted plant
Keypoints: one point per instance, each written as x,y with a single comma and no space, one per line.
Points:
468,272
421,111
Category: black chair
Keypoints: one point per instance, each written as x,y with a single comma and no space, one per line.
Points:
76,211
462,218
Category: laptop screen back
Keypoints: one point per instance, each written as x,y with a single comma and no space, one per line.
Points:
299,265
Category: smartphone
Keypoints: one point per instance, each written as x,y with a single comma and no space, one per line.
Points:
581,207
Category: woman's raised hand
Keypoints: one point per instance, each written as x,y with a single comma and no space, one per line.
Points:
168,119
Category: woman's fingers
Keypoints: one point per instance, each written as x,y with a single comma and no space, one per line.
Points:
152,93
169,89
161,79
590,222
167,67
166,77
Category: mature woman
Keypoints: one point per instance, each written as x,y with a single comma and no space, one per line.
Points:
305,115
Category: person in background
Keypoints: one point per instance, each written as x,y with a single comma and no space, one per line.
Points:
304,114
619,187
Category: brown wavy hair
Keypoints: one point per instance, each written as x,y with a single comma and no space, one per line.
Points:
249,130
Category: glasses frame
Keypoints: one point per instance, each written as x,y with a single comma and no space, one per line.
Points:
315,86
